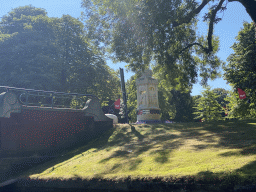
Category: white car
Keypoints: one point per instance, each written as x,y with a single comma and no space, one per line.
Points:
114,117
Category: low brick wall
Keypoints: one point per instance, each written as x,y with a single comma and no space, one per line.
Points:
41,130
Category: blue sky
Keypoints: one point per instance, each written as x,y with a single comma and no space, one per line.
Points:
227,29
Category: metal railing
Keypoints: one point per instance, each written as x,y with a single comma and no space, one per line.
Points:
24,97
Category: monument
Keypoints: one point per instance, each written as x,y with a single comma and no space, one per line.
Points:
148,110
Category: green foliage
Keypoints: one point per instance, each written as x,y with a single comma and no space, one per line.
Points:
195,101
240,109
222,95
40,52
139,32
175,104
207,106
24,60
168,111
222,99
241,69
183,104
131,90
241,72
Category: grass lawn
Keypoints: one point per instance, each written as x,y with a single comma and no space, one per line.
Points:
160,150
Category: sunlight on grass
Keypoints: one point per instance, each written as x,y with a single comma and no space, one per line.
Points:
162,150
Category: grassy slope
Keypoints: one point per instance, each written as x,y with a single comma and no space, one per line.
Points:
195,149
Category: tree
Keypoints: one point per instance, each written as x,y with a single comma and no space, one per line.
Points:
139,32
208,107
183,104
239,109
195,101
168,111
25,61
131,90
175,104
241,71
52,54
222,93
189,10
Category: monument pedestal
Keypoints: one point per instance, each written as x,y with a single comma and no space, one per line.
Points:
148,116
148,110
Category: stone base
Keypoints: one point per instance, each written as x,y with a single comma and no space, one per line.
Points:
148,121
148,116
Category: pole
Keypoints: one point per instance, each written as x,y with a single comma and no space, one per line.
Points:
124,94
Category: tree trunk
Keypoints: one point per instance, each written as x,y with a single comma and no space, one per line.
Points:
250,6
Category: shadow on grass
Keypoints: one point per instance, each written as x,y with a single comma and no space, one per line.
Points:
118,153
163,156
134,143
249,169
136,133
232,135
136,140
239,135
229,180
134,164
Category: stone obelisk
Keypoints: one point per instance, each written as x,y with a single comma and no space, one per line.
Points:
148,110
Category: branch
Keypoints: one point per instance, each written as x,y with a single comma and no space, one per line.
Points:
210,31
191,45
192,14
250,6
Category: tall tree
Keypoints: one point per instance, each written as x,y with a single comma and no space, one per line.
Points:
188,9
138,32
222,95
132,97
168,111
27,49
208,107
183,106
241,69
52,54
239,108
195,101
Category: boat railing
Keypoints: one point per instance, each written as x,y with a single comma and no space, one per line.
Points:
41,98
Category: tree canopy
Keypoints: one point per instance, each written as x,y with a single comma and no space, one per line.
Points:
157,32
207,106
23,42
222,93
131,90
40,52
241,69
